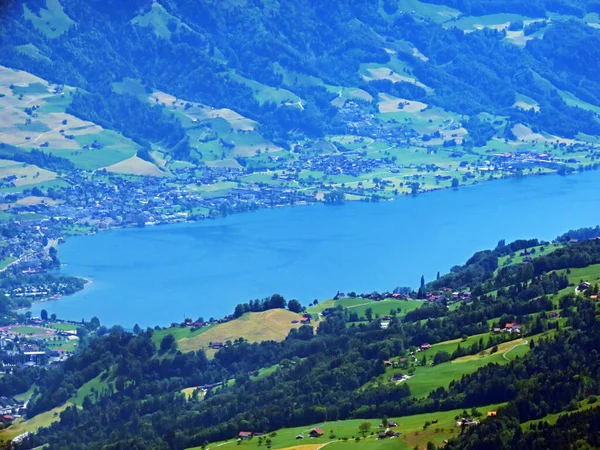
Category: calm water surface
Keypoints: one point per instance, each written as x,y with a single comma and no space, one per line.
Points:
155,276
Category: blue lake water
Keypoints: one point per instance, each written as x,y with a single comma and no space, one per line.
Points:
154,276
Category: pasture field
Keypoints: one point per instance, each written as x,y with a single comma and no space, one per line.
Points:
93,388
590,273
264,93
188,392
427,379
136,166
131,86
178,333
26,174
158,19
31,51
21,426
552,418
411,428
5,262
52,20
540,250
360,305
496,21
273,324
436,13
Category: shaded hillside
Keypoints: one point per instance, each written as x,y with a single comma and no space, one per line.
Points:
215,52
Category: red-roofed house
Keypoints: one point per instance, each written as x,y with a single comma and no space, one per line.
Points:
245,435
316,432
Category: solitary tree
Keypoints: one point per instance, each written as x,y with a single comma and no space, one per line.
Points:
44,315
167,342
364,427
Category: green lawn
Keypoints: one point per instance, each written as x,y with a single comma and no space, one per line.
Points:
27,330
63,326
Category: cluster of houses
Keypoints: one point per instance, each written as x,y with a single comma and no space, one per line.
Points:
447,296
17,350
11,409
510,327
466,422
398,377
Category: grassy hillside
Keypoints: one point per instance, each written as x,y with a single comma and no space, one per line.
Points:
360,305
273,324
343,434
32,116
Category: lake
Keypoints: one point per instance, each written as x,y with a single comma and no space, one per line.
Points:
158,275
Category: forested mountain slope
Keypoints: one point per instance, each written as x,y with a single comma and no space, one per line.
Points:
526,349
283,63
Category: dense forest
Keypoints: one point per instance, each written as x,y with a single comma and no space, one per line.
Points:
280,44
142,405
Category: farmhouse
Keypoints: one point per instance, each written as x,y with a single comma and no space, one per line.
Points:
512,327
584,286
425,346
316,432
244,435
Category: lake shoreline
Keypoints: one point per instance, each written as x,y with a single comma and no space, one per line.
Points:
310,253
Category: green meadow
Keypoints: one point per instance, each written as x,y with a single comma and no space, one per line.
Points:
341,434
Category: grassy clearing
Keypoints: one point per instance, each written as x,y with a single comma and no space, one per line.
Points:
264,93
52,20
93,388
516,258
411,428
360,305
25,396
274,324
158,18
428,378
589,273
26,174
178,333
496,21
6,261
189,392
552,418
41,420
